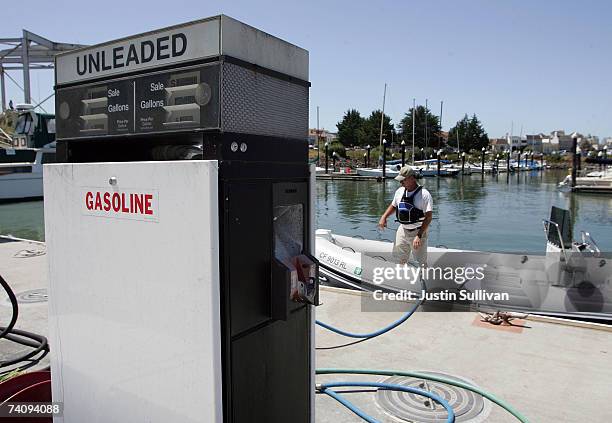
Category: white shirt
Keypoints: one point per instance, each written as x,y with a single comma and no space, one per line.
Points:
421,201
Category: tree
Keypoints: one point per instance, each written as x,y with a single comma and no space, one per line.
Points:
338,148
350,129
371,128
470,132
420,136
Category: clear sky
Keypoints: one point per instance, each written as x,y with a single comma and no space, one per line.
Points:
543,65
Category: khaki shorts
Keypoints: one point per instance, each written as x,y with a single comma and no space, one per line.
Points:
403,246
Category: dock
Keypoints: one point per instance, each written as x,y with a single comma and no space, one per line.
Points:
548,369
346,177
593,189
23,265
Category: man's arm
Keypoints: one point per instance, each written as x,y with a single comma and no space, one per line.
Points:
382,223
416,242
425,225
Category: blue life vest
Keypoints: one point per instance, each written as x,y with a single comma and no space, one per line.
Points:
407,213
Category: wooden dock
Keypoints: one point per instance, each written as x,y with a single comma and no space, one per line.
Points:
593,189
549,371
347,177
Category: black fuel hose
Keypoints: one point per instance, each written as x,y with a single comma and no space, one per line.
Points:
39,343
14,305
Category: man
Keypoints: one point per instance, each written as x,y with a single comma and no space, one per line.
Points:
412,205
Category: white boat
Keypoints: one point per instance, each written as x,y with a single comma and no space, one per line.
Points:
433,171
457,167
21,172
600,182
600,174
477,168
429,168
570,279
391,171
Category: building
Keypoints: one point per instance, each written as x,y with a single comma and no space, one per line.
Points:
498,144
592,139
563,140
324,136
550,145
515,142
535,141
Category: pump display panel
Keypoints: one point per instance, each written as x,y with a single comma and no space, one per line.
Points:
159,102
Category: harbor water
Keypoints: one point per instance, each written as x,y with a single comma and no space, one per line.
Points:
494,213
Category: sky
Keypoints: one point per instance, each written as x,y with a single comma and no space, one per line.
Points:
520,66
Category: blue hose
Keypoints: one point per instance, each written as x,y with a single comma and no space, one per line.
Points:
378,332
324,387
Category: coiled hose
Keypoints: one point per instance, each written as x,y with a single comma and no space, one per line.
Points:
434,378
350,406
324,388
37,342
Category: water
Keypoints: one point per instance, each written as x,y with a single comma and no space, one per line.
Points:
497,213
490,214
23,220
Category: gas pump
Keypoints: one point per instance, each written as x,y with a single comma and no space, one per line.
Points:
179,229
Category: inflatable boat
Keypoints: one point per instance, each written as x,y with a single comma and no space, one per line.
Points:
571,279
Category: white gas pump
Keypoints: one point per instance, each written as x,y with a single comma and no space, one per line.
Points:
182,184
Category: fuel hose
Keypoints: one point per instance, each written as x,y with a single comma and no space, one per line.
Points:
325,388
377,332
426,376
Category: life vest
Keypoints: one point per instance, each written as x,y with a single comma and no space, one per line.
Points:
406,212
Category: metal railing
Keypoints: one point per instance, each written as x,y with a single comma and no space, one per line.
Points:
547,224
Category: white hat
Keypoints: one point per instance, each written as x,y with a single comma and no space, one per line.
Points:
405,172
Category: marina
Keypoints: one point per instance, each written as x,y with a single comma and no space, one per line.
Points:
526,365
181,240
352,207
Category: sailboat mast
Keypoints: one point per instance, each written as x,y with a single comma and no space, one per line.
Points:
382,117
440,133
426,127
458,148
413,117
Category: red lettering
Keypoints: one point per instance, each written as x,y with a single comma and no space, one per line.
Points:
124,209
116,202
107,204
138,206
148,198
89,200
98,202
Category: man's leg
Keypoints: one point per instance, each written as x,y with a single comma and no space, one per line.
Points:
420,254
402,246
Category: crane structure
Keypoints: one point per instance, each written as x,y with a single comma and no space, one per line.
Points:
31,51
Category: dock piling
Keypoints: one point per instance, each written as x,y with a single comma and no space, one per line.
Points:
483,158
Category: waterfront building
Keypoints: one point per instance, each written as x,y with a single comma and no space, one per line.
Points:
535,141
325,136
515,142
550,145
563,140
498,145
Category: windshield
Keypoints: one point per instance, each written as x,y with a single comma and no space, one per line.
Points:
24,124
